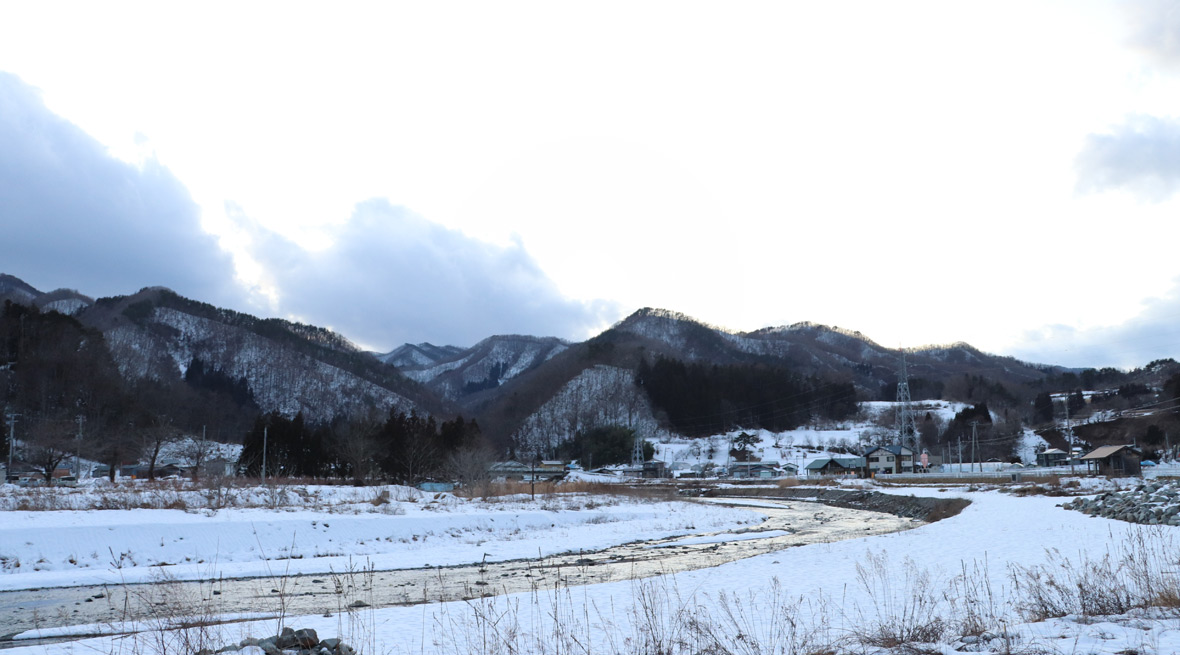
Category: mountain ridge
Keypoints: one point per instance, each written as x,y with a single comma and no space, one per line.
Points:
522,388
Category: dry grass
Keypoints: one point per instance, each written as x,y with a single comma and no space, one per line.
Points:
787,483
1138,573
897,607
548,489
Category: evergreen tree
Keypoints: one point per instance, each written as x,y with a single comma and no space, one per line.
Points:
603,445
1043,407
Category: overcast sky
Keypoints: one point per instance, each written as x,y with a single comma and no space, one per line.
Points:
1000,173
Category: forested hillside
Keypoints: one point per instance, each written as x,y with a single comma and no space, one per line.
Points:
128,372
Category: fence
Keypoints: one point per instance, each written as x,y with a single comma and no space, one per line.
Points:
995,474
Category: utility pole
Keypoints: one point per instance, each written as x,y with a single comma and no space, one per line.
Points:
637,453
974,441
1069,434
77,448
202,454
264,428
960,453
11,436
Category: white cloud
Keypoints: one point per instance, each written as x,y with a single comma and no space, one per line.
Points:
1142,155
1152,334
1155,29
74,216
390,277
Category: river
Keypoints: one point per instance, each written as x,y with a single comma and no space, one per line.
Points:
788,524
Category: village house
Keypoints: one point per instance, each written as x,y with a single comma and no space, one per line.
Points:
763,470
836,466
513,470
1052,457
889,459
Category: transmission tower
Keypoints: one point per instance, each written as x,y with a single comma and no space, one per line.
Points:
637,452
907,430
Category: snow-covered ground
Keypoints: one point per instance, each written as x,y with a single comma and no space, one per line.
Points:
962,571
803,445
310,529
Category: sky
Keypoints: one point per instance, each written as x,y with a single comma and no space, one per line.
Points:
999,173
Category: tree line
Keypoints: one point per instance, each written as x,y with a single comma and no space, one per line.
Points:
69,398
404,448
701,399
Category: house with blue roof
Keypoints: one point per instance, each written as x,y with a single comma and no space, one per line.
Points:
836,466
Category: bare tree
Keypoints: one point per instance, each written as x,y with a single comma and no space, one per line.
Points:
418,459
50,442
158,432
198,452
355,440
469,467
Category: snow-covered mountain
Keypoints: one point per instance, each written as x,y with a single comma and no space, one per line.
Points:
289,367
519,387
419,355
63,301
455,374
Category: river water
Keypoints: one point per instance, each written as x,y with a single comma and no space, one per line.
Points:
788,524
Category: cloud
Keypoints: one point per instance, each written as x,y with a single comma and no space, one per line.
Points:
1152,334
1155,30
74,216
392,277
1142,155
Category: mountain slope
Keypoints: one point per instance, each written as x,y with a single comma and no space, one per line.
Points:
562,396
63,301
289,367
486,365
531,390
419,355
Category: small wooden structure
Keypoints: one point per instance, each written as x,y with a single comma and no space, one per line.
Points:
1113,460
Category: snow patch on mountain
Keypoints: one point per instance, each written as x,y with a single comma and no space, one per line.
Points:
281,379
600,395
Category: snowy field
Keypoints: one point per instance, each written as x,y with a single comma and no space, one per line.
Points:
311,529
965,578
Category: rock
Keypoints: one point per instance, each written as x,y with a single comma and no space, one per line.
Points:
306,638
286,639
269,647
